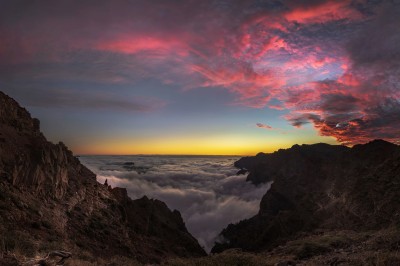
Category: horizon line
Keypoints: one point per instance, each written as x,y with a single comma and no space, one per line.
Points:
221,155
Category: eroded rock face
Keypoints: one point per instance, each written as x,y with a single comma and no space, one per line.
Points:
48,198
28,160
318,187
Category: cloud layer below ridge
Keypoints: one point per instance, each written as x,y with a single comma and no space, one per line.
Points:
206,190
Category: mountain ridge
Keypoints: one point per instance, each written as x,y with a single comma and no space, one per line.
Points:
49,199
319,187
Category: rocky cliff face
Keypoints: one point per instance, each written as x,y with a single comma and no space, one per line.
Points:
319,187
48,199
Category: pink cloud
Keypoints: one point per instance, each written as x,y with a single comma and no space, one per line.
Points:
134,45
324,12
350,109
252,88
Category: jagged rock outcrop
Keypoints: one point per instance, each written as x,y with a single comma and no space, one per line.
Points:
48,200
319,187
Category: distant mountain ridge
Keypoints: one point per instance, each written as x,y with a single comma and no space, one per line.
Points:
49,200
319,187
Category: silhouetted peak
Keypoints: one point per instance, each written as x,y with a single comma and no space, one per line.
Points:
375,147
13,115
316,147
380,143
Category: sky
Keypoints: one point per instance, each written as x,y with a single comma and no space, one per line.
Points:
204,77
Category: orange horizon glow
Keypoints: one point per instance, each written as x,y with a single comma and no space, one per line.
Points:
212,146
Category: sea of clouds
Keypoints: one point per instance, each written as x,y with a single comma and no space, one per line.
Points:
205,189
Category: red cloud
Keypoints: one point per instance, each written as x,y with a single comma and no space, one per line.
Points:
349,79
254,89
324,12
349,109
133,45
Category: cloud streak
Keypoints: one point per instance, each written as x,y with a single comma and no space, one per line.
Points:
70,98
265,126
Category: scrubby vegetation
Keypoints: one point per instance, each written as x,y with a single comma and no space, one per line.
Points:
320,248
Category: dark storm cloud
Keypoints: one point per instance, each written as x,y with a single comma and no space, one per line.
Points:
377,44
338,103
300,120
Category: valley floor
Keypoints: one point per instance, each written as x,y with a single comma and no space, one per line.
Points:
319,248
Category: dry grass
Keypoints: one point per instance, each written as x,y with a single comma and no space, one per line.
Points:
114,261
325,248
229,257
329,248
17,242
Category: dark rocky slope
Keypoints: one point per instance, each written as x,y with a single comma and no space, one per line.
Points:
49,200
319,188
